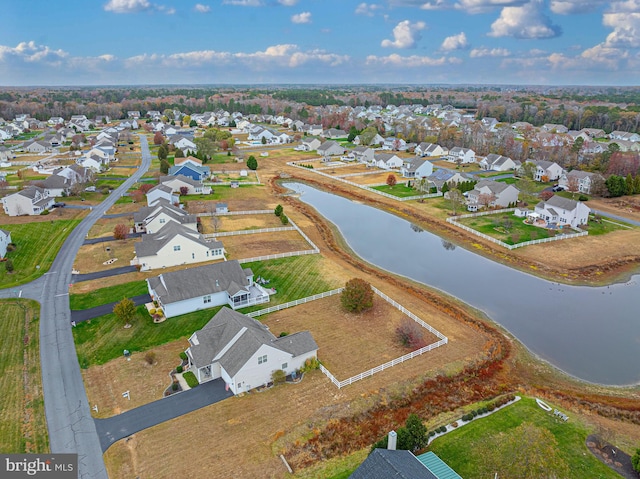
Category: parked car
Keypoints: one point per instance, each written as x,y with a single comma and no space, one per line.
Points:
59,205
90,189
557,188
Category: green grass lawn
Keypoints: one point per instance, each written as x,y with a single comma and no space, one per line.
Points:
23,428
457,448
509,181
493,225
493,173
107,295
399,190
605,226
36,244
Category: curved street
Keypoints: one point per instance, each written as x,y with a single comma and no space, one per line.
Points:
71,427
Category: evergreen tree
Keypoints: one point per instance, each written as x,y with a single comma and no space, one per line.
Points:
252,163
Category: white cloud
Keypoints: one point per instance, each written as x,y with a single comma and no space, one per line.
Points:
483,6
405,35
304,17
630,6
455,42
568,7
200,8
30,52
626,29
288,3
489,52
411,61
243,3
527,21
127,6
368,9
435,5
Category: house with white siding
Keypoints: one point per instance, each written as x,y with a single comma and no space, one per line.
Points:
173,245
462,155
489,193
563,211
30,201
579,181
330,148
546,170
416,168
5,239
429,149
387,161
162,192
496,162
203,287
193,187
151,219
244,353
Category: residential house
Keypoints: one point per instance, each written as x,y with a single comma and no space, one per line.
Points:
440,177
309,144
489,193
402,464
56,185
177,183
387,161
496,162
5,239
554,128
417,168
244,353
203,287
37,147
627,146
6,154
195,172
363,154
93,163
624,135
129,124
429,149
151,219
563,211
173,245
133,114
330,148
30,201
594,132
162,192
546,170
183,143
461,155
579,181
375,141
333,133
395,144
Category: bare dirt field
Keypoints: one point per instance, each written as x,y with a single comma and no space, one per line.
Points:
90,258
348,343
262,244
145,382
625,206
238,199
346,170
380,178
241,222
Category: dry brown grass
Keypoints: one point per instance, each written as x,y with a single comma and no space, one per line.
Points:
124,208
90,257
105,226
626,206
245,198
375,179
241,222
55,214
345,170
262,244
284,155
348,343
146,383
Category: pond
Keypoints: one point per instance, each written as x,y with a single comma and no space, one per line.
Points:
592,333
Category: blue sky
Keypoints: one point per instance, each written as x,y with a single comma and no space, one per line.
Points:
125,42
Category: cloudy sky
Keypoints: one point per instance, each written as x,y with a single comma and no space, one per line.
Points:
126,42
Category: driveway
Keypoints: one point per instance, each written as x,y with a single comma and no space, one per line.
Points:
118,427
104,239
616,217
79,315
79,278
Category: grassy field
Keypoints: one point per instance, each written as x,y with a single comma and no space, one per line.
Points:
107,295
458,447
37,243
401,191
605,225
23,427
493,225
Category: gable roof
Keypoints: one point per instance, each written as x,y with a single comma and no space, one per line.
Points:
562,203
160,207
152,243
396,464
184,179
437,466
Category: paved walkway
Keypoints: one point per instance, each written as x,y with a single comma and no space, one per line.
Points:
118,427
105,239
117,215
79,278
80,315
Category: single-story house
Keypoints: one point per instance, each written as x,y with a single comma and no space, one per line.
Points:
173,245
244,353
151,219
162,192
176,183
497,163
488,193
333,133
363,154
417,168
218,284
38,147
387,161
330,148
429,149
30,201
579,181
440,177
5,239
309,144
563,211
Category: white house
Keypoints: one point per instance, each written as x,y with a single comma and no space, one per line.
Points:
462,155
244,353
37,147
376,140
363,154
174,245
30,201
488,193
393,143
309,144
417,168
5,239
546,170
183,143
429,149
164,192
579,181
151,219
56,185
563,211
194,187
330,148
218,284
497,163
387,161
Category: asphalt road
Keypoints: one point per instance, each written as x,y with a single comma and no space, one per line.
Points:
616,217
123,425
69,422
80,315
105,239
79,278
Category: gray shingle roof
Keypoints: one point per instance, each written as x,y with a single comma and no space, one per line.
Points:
194,282
391,464
162,206
562,203
184,179
152,243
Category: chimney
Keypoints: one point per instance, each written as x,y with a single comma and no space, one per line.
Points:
393,439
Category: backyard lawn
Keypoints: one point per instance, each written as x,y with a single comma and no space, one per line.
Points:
23,428
107,295
399,190
505,227
32,250
462,448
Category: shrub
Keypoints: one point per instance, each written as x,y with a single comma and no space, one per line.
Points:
183,356
583,198
283,334
8,266
278,210
635,461
44,213
150,357
278,376
190,378
11,247
357,296
442,429
410,334
454,424
310,364
152,311
432,433
474,413
284,219
121,231
491,407
174,387
179,369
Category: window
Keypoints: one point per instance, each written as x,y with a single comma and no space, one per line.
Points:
284,366
262,359
176,247
162,221
207,299
193,256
